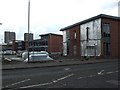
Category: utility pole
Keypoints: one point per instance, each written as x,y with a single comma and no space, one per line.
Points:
28,26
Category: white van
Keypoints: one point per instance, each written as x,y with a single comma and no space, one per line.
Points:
36,56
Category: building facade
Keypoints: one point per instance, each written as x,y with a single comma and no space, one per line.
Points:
18,45
26,36
50,42
95,37
9,36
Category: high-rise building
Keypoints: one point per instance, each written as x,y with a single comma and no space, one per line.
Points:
26,36
9,36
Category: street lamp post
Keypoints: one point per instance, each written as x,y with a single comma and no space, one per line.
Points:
28,26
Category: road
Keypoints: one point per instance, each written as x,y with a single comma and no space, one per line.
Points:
99,75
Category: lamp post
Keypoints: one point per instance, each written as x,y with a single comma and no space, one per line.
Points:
28,26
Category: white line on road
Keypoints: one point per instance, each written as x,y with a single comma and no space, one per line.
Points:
92,76
67,69
109,72
86,76
116,71
101,72
43,84
63,77
36,85
17,83
115,82
81,77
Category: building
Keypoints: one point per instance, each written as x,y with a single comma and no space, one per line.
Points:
3,46
18,45
96,37
26,36
9,36
50,42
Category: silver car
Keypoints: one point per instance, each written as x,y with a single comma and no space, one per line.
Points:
36,56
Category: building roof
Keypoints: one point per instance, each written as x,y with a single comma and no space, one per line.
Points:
50,34
90,19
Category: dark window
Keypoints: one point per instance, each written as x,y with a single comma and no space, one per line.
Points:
87,33
106,38
67,35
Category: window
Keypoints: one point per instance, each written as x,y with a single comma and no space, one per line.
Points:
106,32
67,35
75,35
74,49
87,33
106,28
106,38
90,47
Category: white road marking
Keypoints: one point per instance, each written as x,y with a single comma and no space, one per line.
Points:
81,77
92,76
36,85
67,69
86,76
63,77
115,82
109,72
116,71
43,84
101,72
17,83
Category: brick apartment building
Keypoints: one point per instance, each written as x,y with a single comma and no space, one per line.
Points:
18,45
50,42
98,36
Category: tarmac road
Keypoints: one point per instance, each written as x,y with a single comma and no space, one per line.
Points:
98,75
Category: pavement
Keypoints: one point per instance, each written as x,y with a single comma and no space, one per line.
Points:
54,63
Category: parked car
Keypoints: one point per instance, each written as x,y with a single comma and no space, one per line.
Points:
37,56
19,53
9,52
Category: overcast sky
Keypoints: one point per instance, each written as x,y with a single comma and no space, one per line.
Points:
49,16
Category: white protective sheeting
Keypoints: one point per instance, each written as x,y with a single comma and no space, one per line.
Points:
64,43
92,47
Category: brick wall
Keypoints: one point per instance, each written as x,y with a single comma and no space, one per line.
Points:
55,43
74,41
113,36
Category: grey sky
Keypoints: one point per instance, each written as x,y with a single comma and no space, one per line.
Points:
49,16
